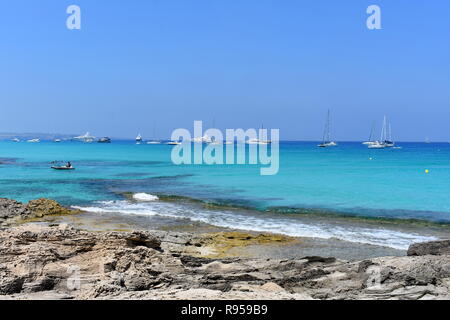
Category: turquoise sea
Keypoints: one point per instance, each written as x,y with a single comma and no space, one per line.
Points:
348,180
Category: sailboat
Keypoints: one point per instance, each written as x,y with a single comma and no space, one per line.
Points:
388,141
326,141
154,141
386,137
259,141
371,141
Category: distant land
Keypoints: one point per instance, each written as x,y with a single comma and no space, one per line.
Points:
65,136
31,135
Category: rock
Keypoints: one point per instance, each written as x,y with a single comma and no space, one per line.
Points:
10,209
272,287
63,262
12,212
44,207
432,248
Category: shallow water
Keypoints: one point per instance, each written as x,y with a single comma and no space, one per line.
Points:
348,179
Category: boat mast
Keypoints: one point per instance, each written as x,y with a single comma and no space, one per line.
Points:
327,135
383,130
372,131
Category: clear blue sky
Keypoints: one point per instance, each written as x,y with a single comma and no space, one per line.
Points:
243,62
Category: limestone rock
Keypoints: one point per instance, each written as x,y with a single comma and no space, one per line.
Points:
433,248
62,262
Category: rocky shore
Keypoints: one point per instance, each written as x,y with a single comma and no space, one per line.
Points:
61,262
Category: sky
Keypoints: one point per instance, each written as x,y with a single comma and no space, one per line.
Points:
144,66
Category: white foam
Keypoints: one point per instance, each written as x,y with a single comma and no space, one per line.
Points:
252,222
145,197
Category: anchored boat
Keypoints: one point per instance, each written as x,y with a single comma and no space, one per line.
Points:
326,141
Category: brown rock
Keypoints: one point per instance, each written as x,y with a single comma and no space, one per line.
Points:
430,248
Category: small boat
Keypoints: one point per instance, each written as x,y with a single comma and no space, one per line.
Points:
56,140
34,140
104,140
154,142
173,143
15,140
327,144
62,168
326,141
258,141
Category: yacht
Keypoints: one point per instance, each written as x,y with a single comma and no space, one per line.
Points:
56,140
15,140
154,141
173,143
87,138
204,139
377,145
259,141
104,140
386,137
34,140
371,141
326,141
139,139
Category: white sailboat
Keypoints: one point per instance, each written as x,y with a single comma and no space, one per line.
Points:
371,141
154,141
386,137
388,141
259,141
326,141
377,145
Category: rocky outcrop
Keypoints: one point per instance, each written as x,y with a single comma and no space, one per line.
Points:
12,211
61,262
427,248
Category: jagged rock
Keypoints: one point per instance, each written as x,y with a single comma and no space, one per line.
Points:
12,211
433,248
62,262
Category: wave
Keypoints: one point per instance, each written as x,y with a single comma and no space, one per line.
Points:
397,216
145,197
254,221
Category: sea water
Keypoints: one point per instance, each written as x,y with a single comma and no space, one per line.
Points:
347,180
